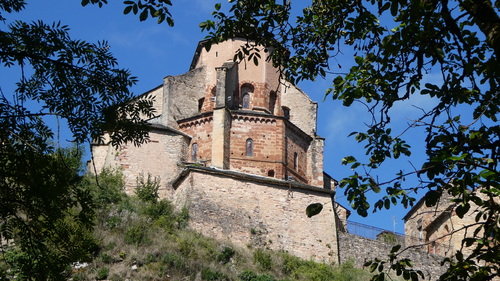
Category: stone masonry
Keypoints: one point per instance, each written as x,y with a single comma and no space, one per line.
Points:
238,146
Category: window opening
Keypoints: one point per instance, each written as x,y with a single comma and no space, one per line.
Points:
200,104
272,101
249,147
246,100
270,173
286,112
295,161
194,152
246,92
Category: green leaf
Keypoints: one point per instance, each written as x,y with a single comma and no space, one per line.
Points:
394,8
395,248
461,210
127,10
314,209
144,15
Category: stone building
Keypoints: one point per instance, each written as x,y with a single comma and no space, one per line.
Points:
238,146
431,226
439,227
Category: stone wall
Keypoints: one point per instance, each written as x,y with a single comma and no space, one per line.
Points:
201,131
253,211
361,250
181,95
302,109
161,157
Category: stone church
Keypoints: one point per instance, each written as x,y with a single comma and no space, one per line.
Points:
237,146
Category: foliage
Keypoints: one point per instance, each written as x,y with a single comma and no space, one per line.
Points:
106,188
102,273
248,275
44,210
154,8
164,251
397,47
147,189
263,259
208,274
308,270
226,254
45,214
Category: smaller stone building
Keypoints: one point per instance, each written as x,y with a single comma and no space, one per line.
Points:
439,227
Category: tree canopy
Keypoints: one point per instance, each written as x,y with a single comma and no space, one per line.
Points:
45,214
396,45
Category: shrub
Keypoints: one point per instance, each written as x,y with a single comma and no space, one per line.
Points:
208,274
183,218
265,277
105,258
147,190
174,261
102,273
247,275
252,276
113,222
136,235
263,259
225,255
106,188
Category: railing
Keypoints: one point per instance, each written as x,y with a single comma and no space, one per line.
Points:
375,233
395,238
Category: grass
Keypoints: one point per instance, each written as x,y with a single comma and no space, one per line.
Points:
143,238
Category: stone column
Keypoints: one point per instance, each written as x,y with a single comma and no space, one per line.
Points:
222,116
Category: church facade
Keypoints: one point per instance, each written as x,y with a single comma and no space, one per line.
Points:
237,146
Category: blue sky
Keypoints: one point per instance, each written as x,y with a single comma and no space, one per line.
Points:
153,51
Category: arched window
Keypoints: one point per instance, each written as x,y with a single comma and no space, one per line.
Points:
249,147
270,173
272,101
295,161
246,100
246,92
194,152
286,112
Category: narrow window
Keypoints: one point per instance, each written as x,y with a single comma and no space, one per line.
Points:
249,147
194,152
246,91
286,112
295,161
200,104
246,100
272,101
420,233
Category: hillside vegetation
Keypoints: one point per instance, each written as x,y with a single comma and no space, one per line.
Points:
142,238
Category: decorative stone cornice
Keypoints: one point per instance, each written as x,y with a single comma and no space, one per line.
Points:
199,120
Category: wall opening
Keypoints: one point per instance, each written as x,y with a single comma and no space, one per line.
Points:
249,147
200,104
295,161
272,101
270,173
194,152
246,93
286,112
245,103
